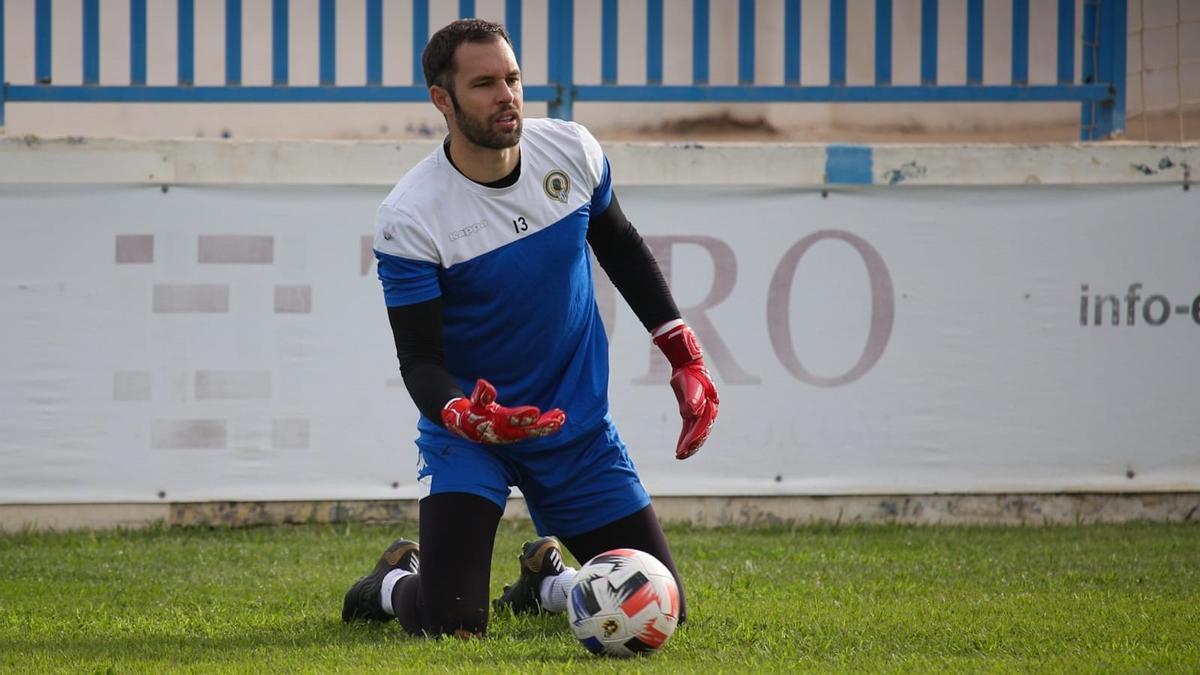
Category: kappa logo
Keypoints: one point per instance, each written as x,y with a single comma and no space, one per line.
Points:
557,185
468,230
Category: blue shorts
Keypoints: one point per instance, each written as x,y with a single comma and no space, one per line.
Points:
569,490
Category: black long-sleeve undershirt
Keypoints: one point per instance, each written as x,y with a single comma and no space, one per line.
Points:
631,266
621,252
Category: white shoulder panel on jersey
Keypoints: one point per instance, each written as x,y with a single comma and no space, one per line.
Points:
438,215
576,145
399,231
555,181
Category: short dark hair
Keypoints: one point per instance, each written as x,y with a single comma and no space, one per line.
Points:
437,60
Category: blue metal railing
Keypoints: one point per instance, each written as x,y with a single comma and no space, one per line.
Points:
1100,91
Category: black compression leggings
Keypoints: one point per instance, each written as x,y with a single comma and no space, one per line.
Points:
457,534
450,595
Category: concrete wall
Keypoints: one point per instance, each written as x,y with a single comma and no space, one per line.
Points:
1010,509
1152,82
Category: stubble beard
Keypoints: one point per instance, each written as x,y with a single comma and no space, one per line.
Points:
482,133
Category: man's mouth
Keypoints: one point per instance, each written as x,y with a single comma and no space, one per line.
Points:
507,119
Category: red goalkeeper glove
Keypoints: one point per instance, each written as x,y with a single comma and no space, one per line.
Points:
482,420
693,387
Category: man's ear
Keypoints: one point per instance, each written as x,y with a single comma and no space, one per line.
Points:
440,98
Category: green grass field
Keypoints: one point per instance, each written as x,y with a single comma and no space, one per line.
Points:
883,598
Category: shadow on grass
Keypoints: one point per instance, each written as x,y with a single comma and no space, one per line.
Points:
542,627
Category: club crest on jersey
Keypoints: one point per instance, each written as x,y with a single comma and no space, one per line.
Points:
557,185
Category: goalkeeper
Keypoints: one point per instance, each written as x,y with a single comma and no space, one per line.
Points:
483,258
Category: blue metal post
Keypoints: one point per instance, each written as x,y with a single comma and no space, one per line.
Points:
699,41
791,42
1020,42
374,29
91,41
837,42
561,54
1110,58
279,42
137,42
745,41
929,41
186,24
1090,66
608,42
466,9
883,42
327,30
420,36
975,42
233,42
1104,63
41,48
1066,41
3,84
567,26
654,41
512,23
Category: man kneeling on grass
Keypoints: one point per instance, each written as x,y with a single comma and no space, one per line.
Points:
483,256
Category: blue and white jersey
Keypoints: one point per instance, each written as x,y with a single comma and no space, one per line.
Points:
511,266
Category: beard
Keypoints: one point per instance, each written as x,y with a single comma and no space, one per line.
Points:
482,133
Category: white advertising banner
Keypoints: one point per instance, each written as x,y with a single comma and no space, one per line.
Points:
231,343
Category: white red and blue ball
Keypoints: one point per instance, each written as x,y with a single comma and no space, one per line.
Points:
623,603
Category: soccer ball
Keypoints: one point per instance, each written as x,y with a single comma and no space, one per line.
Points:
623,603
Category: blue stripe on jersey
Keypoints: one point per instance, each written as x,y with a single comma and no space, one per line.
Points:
405,281
602,195
524,317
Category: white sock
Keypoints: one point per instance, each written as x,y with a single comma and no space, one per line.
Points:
554,590
385,591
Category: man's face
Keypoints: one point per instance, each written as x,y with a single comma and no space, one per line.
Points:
487,96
